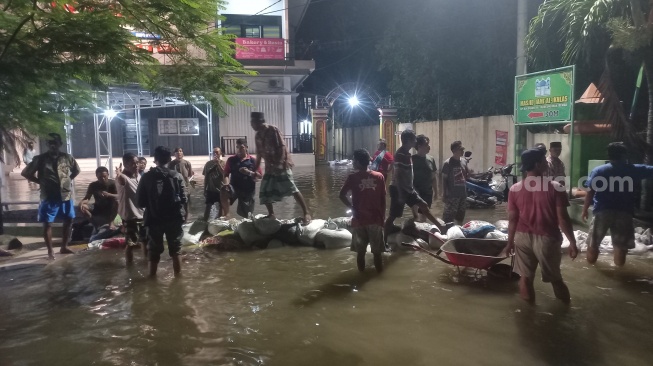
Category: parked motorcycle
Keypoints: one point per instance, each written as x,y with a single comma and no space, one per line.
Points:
489,188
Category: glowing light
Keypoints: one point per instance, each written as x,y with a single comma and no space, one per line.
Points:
353,101
110,113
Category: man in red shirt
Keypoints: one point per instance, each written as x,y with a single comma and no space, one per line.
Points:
537,210
382,160
368,206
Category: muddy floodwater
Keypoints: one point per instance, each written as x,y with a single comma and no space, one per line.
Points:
304,306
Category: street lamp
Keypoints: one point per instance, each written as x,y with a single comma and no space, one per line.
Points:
110,113
353,101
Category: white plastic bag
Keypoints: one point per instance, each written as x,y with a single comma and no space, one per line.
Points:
455,232
496,234
333,239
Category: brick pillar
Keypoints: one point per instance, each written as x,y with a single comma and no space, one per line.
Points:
388,127
320,116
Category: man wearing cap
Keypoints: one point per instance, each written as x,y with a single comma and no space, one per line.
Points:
556,169
382,160
278,181
54,172
537,211
454,187
611,191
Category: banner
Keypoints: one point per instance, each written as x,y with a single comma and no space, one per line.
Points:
544,96
501,154
260,49
320,141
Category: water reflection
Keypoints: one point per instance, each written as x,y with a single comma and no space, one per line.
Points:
302,306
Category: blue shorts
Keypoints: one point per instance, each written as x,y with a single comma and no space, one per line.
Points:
50,210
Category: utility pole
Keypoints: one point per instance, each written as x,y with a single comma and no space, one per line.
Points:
522,28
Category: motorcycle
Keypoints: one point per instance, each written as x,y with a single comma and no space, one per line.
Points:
489,188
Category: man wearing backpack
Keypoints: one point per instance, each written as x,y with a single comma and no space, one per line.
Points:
162,193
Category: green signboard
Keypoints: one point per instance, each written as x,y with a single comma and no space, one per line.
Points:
545,97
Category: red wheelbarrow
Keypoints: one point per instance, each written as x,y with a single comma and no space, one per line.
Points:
481,254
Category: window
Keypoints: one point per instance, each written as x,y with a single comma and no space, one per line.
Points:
252,26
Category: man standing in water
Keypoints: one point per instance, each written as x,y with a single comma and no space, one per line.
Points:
131,214
56,171
424,169
537,210
214,180
454,178
556,168
611,191
243,177
382,160
184,168
162,194
278,181
402,191
368,207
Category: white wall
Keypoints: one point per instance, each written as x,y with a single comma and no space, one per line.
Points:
257,6
276,109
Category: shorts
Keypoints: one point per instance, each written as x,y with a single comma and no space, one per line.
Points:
173,232
621,228
49,210
531,250
364,235
135,232
454,209
212,197
397,202
245,200
426,196
277,185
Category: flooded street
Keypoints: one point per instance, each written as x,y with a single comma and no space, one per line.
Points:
304,306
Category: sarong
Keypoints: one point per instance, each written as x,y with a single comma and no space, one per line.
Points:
276,185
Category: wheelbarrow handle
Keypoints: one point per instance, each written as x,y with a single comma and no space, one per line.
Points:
434,255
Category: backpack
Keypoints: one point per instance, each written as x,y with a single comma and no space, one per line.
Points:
165,203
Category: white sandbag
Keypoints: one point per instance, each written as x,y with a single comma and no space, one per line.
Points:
308,232
496,234
455,232
190,239
333,239
274,244
96,244
218,226
581,241
502,225
639,249
436,240
340,223
266,225
248,233
427,226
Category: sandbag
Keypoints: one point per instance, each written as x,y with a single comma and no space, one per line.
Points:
274,244
455,232
340,223
288,233
265,225
496,234
198,226
333,239
502,225
217,226
114,243
477,229
248,233
191,239
229,243
308,232
394,242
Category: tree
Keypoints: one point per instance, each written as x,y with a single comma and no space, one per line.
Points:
570,31
578,31
53,56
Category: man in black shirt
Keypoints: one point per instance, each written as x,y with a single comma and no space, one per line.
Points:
104,193
240,169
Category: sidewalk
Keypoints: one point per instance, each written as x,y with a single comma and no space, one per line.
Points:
34,254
